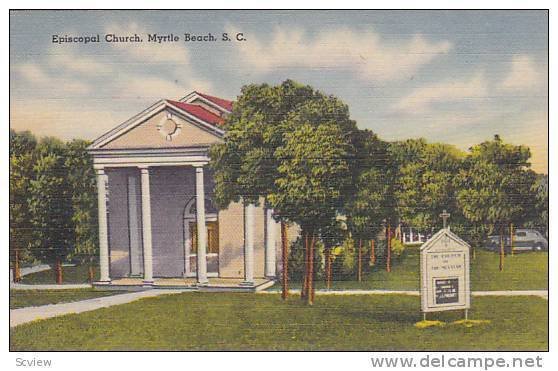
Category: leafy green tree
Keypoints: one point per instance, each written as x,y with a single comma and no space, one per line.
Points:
81,178
493,187
538,217
366,209
50,204
424,184
22,147
315,174
246,165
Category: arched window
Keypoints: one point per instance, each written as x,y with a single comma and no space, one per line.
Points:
190,209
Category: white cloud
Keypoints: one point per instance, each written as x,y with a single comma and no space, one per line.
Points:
524,74
148,52
153,88
51,117
38,78
364,52
422,99
69,61
531,129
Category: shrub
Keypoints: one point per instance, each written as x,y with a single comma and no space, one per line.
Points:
296,260
397,247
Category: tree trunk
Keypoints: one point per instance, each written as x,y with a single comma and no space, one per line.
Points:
91,274
359,262
310,290
285,253
17,271
372,253
502,247
328,267
304,290
511,239
58,272
330,273
388,248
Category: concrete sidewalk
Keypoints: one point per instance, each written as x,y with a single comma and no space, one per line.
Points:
28,314
540,293
69,286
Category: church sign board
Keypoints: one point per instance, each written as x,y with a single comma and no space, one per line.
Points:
444,265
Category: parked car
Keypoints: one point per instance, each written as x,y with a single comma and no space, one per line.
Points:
523,240
529,239
492,243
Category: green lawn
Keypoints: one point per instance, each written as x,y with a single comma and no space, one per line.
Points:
523,271
233,321
28,298
74,274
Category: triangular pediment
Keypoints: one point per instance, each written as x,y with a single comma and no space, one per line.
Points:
444,239
163,125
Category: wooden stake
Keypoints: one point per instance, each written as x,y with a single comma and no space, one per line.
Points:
285,253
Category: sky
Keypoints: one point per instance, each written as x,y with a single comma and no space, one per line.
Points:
457,77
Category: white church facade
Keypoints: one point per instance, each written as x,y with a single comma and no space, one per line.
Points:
158,225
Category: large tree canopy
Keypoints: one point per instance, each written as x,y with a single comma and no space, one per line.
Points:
245,164
292,145
494,187
53,201
424,183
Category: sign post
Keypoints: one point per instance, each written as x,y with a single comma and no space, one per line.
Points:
444,265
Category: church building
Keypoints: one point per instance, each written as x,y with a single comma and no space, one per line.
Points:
158,224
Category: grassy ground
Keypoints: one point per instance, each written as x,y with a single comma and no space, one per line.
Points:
27,298
523,271
219,321
74,274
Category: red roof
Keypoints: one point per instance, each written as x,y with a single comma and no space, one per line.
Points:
199,112
224,103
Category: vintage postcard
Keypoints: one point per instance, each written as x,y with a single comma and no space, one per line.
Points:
280,180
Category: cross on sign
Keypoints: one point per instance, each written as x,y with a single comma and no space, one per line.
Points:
445,215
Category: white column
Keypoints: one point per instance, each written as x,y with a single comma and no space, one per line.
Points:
133,226
249,227
102,181
201,228
270,241
146,227
411,234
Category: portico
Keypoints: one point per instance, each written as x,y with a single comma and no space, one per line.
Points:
157,219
